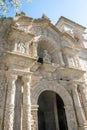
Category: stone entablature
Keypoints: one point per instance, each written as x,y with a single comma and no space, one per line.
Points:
36,56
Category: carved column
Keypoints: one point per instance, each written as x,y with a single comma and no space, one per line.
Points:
10,103
83,91
82,123
26,121
34,119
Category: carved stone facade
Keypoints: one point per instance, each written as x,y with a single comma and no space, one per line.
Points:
43,74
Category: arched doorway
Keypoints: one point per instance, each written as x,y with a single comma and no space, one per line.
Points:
51,112
56,88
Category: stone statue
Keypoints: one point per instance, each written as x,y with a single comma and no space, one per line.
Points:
46,56
33,49
21,47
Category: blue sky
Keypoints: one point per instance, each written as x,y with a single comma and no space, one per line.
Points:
75,10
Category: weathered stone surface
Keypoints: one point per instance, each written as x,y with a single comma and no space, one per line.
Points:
36,56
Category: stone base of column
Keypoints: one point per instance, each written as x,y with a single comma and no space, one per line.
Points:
83,127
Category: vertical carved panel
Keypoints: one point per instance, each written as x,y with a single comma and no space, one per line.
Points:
34,117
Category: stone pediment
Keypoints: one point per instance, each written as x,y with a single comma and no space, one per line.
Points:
26,24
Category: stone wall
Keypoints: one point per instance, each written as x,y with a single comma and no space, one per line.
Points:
36,56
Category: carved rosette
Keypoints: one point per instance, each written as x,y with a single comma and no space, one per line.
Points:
26,104
10,103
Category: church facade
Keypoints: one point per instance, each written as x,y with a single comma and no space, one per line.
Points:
43,74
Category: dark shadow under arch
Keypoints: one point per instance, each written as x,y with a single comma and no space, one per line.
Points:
51,112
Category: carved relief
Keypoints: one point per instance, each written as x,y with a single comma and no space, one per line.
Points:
20,47
33,49
77,63
71,61
46,56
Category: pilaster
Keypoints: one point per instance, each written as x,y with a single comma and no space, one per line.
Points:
71,120
82,123
82,89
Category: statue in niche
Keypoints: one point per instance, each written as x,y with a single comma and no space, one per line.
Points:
60,55
33,49
21,47
46,56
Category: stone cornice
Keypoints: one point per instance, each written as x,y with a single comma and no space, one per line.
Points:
15,32
25,18
68,73
71,22
68,36
82,49
70,50
19,59
18,72
39,21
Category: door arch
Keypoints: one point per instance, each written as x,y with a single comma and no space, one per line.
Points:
63,93
51,112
